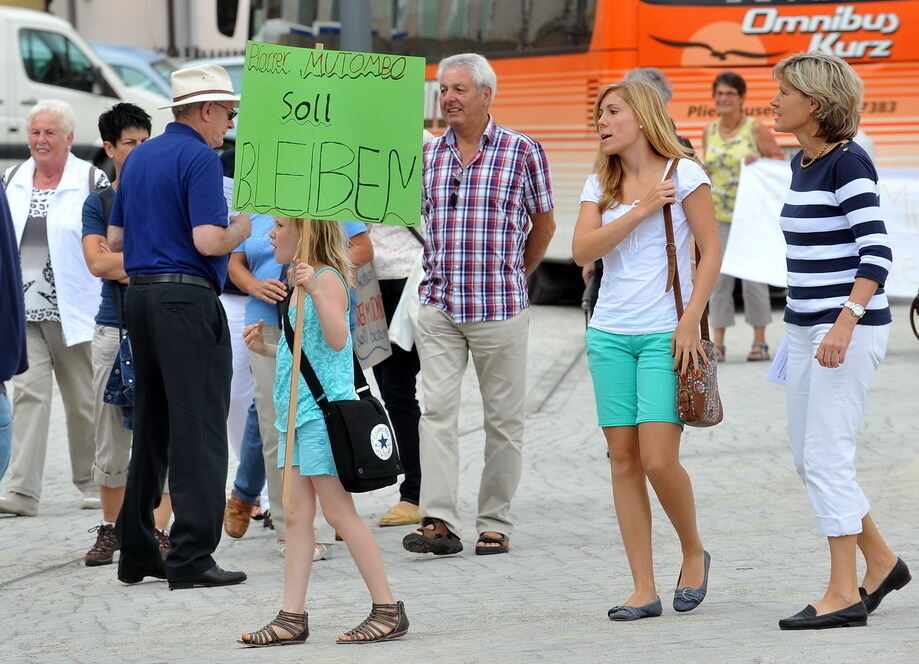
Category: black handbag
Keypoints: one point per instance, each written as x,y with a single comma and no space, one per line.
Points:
363,444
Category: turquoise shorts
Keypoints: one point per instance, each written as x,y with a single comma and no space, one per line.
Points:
312,449
633,376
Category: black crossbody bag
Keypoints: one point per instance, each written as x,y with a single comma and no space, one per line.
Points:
363,444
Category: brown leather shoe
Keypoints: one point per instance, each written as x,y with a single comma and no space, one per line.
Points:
236,516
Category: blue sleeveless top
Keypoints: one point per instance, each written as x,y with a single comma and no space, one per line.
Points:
335,369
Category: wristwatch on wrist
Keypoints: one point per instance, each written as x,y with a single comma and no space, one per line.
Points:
854,308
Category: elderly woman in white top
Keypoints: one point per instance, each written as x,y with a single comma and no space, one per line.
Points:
46,195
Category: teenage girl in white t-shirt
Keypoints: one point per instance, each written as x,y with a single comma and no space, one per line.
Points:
635,345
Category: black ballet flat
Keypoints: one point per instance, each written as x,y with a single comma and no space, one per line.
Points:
899,576
851,616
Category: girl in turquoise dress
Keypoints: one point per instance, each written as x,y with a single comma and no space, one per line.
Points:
327,344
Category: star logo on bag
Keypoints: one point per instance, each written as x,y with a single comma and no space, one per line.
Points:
381,441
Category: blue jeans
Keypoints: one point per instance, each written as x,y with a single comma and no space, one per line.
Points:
6,433
250,475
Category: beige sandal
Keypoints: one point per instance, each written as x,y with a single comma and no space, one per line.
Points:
374,627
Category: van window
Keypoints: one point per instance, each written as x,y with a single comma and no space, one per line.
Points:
133,76
52,59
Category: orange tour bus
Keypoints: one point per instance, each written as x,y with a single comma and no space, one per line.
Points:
552,56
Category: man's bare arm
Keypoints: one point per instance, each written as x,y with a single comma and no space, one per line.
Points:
538,239
212,240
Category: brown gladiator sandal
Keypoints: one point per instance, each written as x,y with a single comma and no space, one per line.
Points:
382,616
293,623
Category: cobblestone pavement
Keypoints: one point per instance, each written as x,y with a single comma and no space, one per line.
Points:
547,600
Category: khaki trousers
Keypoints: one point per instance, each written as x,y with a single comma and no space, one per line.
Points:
113,441
263,372
756,305
499,353
72,368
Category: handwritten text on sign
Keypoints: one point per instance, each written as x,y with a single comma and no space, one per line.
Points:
330,135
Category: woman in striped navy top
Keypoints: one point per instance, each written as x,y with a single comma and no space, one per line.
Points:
838,324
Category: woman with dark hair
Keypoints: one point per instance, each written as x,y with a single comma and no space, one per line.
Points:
838,324
731,139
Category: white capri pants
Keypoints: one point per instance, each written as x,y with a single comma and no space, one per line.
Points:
825,408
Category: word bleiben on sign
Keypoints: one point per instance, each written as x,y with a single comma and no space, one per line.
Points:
322,179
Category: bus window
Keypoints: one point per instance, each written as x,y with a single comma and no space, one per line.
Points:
435,29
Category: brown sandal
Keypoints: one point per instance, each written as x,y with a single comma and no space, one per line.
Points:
433,537
382,616
489,537
293,623
759,352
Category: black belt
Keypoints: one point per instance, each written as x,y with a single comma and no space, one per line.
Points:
190,279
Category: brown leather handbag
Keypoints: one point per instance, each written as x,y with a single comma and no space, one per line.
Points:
698,401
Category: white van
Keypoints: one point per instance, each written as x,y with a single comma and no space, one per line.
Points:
44,58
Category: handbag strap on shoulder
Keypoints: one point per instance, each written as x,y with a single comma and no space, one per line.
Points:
306,369
673,269
415,234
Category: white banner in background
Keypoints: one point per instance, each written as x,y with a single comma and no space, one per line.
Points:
756,247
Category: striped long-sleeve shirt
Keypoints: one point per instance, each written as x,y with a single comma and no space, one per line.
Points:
834,231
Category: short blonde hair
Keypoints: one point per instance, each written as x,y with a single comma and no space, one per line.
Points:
60,109
832,83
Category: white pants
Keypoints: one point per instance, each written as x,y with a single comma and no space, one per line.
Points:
242,388
825,408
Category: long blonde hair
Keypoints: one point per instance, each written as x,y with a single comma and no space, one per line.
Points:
325,244
646,102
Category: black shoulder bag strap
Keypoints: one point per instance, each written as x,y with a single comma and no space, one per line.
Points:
107,196
12,174
306,369
416,234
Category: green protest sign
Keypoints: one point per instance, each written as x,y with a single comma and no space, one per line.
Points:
330,135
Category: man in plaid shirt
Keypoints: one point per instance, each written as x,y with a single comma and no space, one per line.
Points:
488,214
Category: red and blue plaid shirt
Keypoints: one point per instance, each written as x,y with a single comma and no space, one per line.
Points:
477,222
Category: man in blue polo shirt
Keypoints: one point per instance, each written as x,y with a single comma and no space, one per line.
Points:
170,219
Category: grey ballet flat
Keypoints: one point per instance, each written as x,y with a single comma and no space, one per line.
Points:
624,613
686,599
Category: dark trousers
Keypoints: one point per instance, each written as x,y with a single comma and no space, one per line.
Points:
396,377
183,367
